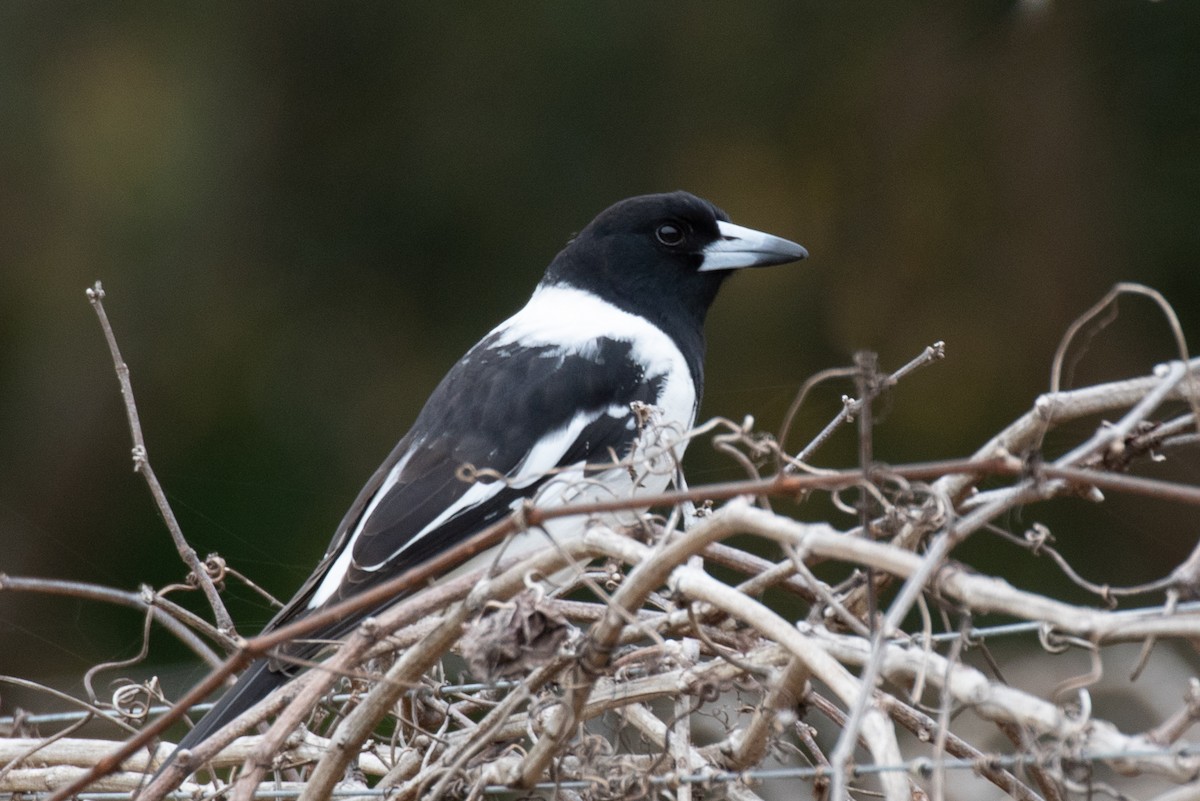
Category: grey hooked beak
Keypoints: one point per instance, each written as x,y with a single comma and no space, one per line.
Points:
744,247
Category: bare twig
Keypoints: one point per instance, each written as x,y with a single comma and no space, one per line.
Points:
165,613
672,642
850,406
141,464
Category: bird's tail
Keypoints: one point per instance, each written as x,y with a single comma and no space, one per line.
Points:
255,684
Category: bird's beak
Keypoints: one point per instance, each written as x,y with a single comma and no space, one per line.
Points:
744,247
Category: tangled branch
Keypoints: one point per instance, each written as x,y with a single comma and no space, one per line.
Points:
833,652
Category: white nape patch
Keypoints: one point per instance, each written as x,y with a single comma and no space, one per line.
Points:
573,320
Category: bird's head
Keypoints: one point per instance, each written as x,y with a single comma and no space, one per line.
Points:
664,254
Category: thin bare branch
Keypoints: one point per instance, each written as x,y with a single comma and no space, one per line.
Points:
165,613
141,464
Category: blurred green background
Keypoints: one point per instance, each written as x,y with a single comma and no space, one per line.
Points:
303,214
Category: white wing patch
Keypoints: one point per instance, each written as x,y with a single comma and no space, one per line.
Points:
337,571
477,493
542,458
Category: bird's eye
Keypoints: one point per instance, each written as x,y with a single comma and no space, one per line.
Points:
669,234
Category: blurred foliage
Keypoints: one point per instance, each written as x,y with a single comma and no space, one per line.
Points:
303,213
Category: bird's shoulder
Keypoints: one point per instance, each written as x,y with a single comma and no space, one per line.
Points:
564,354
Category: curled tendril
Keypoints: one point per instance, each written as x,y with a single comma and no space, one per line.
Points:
134,701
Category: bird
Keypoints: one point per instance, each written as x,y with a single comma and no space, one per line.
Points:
614,327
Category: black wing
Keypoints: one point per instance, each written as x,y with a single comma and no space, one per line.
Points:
490,411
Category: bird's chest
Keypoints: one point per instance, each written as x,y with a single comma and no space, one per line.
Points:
677,395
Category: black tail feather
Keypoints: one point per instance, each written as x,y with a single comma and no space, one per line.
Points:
259,681
267,674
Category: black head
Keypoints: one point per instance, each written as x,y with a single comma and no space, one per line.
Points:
664,257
